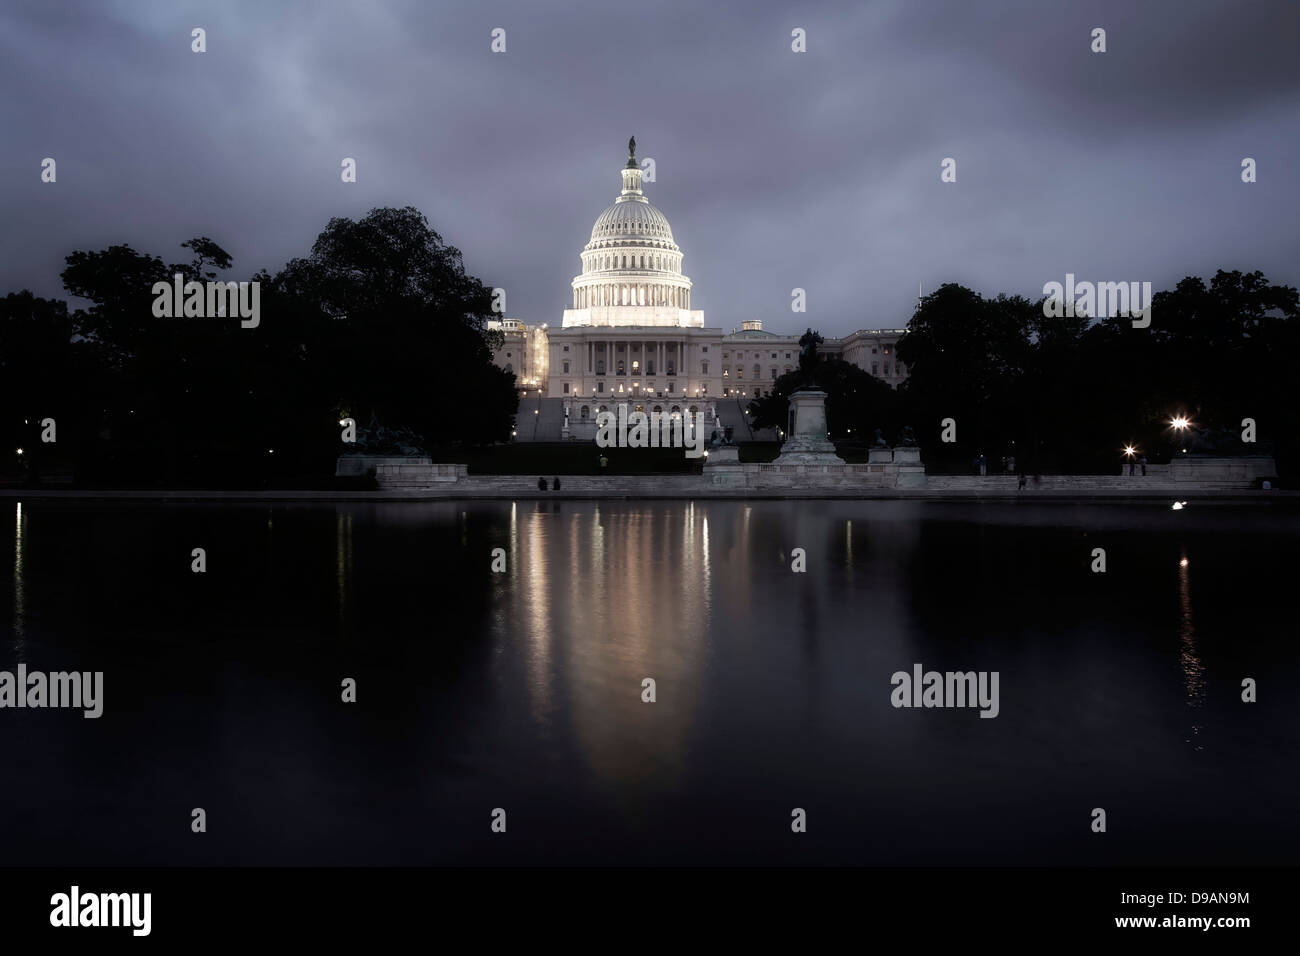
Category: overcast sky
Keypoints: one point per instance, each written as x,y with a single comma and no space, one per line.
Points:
776,169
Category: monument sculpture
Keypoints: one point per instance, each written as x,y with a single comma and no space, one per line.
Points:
377,444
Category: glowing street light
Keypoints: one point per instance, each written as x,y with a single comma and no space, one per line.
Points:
1179,421
1130,451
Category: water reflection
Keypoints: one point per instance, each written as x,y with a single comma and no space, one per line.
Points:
523,688
608,596
1189,658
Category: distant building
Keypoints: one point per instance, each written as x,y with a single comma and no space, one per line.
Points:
522,352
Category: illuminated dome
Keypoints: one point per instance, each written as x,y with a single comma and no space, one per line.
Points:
631,262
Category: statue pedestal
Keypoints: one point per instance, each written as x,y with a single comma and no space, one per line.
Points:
358,466
907,455
808,444
722,467
880,456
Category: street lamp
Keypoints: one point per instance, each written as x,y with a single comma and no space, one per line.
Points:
1180,424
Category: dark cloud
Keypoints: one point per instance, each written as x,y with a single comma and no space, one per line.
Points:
817,170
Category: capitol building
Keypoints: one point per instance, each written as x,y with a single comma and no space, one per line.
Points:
631,336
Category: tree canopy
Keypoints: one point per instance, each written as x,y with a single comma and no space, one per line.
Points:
1067,394
379,321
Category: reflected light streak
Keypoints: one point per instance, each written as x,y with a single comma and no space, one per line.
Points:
708,574
537,595
1188,658
342,567
20,597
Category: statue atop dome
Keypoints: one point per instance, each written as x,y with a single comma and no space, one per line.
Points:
631,153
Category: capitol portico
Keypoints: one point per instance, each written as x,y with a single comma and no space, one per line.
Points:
631,336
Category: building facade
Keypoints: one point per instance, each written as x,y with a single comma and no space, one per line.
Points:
523,351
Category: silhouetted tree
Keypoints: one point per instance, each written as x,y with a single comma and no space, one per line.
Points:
407,335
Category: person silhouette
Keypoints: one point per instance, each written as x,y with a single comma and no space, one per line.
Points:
555,484
541,484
